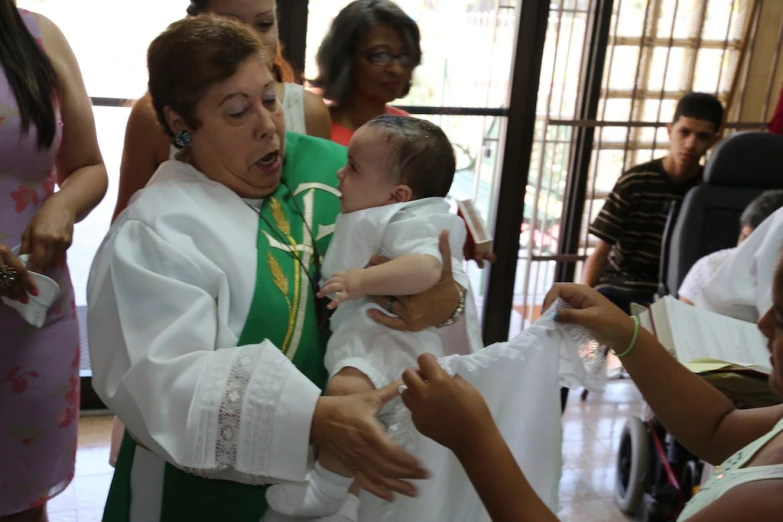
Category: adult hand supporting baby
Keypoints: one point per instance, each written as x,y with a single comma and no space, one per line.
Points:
588,308
347,426
431,308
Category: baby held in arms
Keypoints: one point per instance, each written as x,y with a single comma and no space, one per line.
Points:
393,186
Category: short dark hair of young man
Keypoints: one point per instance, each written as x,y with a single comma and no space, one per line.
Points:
625,263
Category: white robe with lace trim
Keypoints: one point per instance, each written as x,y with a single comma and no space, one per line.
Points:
169,294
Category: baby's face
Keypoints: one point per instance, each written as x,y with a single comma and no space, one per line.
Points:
366,180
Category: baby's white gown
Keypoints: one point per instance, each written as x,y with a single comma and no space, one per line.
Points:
520,380
391,231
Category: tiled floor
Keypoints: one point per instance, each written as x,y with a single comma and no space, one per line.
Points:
591,436
83,500
591,431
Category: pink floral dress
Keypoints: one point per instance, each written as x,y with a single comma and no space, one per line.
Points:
39,368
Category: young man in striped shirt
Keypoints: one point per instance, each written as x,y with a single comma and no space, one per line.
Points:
625,264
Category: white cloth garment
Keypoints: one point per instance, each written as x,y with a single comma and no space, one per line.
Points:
169,294
701,272
520,382
392,231
294,114
293,108
742,287
34,311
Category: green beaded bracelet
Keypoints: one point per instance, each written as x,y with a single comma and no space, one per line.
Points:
633,339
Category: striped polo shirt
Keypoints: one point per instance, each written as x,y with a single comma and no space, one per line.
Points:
632,221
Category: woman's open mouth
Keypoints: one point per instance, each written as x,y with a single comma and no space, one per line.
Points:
270,163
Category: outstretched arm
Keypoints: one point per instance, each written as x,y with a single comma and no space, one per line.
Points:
707,423
406,275
596,263
177,390
452,412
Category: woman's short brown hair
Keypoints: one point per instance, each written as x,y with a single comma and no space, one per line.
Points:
191,56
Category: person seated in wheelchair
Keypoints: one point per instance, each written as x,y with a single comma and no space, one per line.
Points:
625,263
702,271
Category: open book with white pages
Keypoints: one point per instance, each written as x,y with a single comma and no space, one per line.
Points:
704,341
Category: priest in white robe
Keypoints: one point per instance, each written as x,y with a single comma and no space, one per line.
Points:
206,338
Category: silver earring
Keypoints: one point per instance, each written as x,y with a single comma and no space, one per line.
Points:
182,139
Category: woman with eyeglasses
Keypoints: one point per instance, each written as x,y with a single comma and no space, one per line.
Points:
366,62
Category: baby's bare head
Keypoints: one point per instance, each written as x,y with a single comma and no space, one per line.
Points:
421,156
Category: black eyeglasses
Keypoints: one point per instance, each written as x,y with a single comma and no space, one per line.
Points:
384,58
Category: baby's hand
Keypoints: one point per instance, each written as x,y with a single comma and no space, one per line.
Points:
345,286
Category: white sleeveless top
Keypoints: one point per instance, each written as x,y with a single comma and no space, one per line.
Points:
293,107
731,474
293,110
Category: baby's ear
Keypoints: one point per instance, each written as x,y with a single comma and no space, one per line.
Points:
401,194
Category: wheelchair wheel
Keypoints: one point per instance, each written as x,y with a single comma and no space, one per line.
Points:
633,461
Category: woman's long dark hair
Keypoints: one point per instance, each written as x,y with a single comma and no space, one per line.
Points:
282,70
30,74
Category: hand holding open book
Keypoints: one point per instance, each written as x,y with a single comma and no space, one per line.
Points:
704,341
728,353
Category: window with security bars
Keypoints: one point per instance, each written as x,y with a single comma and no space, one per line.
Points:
657,51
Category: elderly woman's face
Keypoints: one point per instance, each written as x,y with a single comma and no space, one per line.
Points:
771,325
261,15
241,140
382,69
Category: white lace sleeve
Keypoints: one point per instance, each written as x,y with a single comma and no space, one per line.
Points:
701,272
742,287
582,360
166,362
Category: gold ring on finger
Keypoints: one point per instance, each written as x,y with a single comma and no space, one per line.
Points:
8,277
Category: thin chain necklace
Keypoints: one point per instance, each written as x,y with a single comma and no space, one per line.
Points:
321,312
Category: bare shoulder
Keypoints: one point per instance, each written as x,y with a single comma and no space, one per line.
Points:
54,41
144,130
47,27
317,118
143,115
